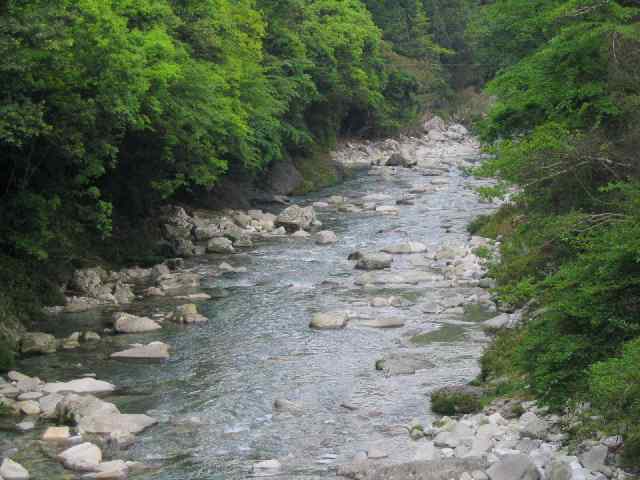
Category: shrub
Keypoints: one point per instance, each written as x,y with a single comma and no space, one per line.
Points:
483,252
499,358
614,385
457,400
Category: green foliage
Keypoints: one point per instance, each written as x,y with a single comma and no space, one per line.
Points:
498,360
564,130
125,104
7,360
456,401
614,387
505,31
24,288
318,171
501,223
483,252
110,108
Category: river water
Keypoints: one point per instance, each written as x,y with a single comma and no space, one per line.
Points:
215,395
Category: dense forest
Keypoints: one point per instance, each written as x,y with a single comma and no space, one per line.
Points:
112,108
565,130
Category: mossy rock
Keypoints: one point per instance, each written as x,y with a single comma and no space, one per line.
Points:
457,400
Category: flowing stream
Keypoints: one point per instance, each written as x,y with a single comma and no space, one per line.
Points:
215,395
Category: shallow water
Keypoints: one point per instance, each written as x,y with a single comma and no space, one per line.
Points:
215,395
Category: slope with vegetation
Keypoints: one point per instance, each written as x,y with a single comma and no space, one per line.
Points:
565,129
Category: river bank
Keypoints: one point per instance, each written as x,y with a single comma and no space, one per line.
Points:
297,342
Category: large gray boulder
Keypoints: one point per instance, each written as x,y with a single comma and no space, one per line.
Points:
113,470
152,351
187,313
403,363
178,281
329,320
80,386
183,247
123,293
283,178
10,470
95,416
289,406
206,231
89,281
594,458
38,343
514,467
326,237
127,323
176,223
533,426
296,218
374,261
220,245
565,468
400,160
406,248
82,458
48,405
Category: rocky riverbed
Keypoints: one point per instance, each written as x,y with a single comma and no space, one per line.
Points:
297,341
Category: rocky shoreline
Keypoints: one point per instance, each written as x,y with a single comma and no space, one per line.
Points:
503,442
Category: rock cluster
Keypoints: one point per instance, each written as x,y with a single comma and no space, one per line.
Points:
72,403
530,447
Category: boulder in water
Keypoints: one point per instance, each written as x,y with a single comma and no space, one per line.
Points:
187,314
326,237
400,160
56,434
95,416
80,386
10,470
127,323
38,343
152,351
296,218
220,245
403,363
82,458
329,320
406,248
284,405
374,261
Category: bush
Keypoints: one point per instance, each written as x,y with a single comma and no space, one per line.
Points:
492,226
483,252
614,387
457,400
499,358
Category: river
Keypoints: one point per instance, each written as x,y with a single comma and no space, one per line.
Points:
215,395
